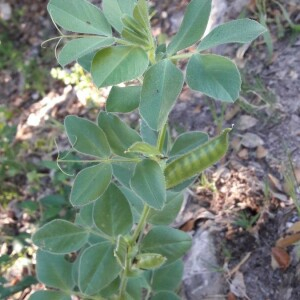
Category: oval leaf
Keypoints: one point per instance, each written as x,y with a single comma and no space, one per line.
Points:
187,142
192,27
77,48
60,236
115,9
79,16
215,76
162,85
123,172
149,184
112,213
118,64
123,99
49,295
90,183
54,271
97,268
165,295
236,31
168,242
86,137
119,135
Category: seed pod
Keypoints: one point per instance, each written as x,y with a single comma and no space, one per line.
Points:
197,160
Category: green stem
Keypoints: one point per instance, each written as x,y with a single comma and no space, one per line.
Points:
139,228
161,138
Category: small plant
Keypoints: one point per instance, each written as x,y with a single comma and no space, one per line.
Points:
245,220
120,245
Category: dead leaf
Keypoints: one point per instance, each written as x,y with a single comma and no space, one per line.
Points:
295,228
288,240
244,154
261,152
280,196
188,226
231,296
245,122
231,112
275,183
237,286
251,140
280,258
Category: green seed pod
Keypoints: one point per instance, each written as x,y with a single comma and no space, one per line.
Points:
197,160
150,261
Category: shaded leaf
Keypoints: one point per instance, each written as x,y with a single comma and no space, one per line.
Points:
79,16
165,295
86,137
214,76
90,183
192,27
60,236
149,184
49,295
123,172
162,85
118,64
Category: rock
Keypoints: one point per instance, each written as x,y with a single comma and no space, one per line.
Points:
5,11
245,122
200,278
251,140
261,152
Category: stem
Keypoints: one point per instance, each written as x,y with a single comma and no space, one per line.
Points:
139,228
161,138
182,56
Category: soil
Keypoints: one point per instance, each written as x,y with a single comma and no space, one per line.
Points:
249,184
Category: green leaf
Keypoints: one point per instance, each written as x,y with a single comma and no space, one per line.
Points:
60,236
112,213
161,279
77,48
165,295
236,31
215,76
119,135
79,16
85,216
162,85
149,261
168,214
111,289
98,268
86,61
120,251
115,9
187,142
123,99
144,148
118,64
140,14
123,172
49,295
192,27
134,288
90,183
54,271
168,242
86,137
149,184
135,202
148,135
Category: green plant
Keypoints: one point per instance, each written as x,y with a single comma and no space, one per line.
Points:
132,187
246,220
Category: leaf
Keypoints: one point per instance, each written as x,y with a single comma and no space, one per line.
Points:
280,258
60,236
19,286
148,135
79,16
112,213
54,271
140,14
123,172
214,76
90,183
77,48
123,99
168,242
144,148
165,295
111,289
118,64
168,214
161,280
237,31
86,61
149,184
162,85
49,295
120,251
115,9
192,27
85,216
119,135
97,268
187,142
86,137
